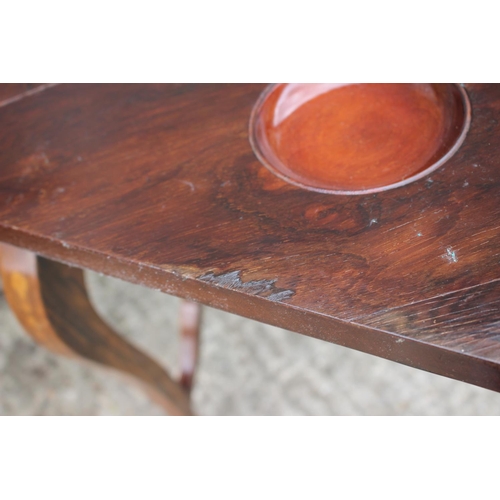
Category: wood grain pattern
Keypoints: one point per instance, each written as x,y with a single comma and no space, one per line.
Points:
158,185
449,320
51,302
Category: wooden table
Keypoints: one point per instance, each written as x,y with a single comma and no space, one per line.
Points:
158,185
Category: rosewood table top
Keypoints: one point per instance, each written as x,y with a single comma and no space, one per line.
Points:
158,185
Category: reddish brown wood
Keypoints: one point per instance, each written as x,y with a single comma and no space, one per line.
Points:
357,137
158,185
51,302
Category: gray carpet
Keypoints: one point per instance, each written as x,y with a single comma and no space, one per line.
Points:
246,368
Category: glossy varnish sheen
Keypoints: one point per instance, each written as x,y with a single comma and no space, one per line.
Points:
158,185
355,137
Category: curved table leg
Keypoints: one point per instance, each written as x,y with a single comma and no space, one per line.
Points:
51,302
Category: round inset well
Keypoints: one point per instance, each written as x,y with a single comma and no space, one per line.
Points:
358,138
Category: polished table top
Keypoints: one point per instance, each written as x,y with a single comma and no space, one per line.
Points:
158,185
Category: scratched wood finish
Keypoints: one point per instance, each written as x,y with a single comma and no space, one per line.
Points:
51,302
11,92
158,185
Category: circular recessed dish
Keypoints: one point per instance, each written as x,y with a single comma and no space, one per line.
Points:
357,138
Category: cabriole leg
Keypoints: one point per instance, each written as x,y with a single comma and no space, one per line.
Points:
51,302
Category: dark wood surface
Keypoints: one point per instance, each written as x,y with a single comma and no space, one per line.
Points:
158,185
